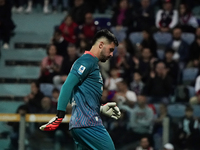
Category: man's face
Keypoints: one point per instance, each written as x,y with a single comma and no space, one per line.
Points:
160,68
145,3
177,33
144,143
141,100
106,51
167,6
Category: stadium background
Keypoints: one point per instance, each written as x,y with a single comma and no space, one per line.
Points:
20,65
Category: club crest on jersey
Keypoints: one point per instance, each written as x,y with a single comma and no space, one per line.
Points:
81,70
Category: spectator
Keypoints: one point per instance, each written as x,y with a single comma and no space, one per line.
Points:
118,130
197,33
6,23
55,5
124,96
141,119
159,85
194,52
137,85
68,29
166,18
195,100
88,29
144,144
55,95
83,46
188,132
66,65
197,84
180,47
144,16
144,64
111,82
33,100
78,11
187,21
45,7
122,16
149,42
18,6
14,135
50,65
171,65
60,43
168,146
47,107
121,61
104,97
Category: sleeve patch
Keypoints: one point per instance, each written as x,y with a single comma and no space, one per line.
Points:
81,69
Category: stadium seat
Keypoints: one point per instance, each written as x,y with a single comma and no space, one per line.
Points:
191,91
196,109
189,75
136,37
46,89
161,54
14,89
162,38
120,35
188,37
176,110
182,94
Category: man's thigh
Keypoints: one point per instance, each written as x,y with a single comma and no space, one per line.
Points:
95,138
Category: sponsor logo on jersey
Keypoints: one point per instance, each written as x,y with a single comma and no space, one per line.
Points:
81,69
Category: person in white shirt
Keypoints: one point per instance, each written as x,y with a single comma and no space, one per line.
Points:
124,96
166,18
110,82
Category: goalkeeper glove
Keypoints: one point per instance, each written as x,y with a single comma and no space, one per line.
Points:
110,110
54,122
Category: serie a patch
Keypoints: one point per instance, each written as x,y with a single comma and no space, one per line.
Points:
81,69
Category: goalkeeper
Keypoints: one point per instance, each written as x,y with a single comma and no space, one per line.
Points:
83,88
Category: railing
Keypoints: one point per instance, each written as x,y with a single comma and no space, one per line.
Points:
46,117
28,118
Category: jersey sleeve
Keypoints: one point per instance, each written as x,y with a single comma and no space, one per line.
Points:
81,68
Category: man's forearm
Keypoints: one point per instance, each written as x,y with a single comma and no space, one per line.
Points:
66,91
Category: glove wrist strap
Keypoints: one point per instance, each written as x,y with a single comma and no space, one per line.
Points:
60,114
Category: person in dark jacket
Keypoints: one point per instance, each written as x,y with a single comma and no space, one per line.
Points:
33,100
159,85
60,43
188,132
148,41
6,23
180,47
122,14
144,16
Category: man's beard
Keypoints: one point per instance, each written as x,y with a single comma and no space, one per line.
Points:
103,58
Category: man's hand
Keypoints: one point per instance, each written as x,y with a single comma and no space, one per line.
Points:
110,110
54,122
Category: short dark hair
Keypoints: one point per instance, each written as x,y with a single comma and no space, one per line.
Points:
107,34
188,108
55,90
170,50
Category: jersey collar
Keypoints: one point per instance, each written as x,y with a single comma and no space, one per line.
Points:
88,52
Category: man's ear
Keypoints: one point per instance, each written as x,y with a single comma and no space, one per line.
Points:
101,45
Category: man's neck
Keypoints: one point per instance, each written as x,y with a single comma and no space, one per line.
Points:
94,51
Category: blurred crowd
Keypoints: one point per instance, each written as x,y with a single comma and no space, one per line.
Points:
157,63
